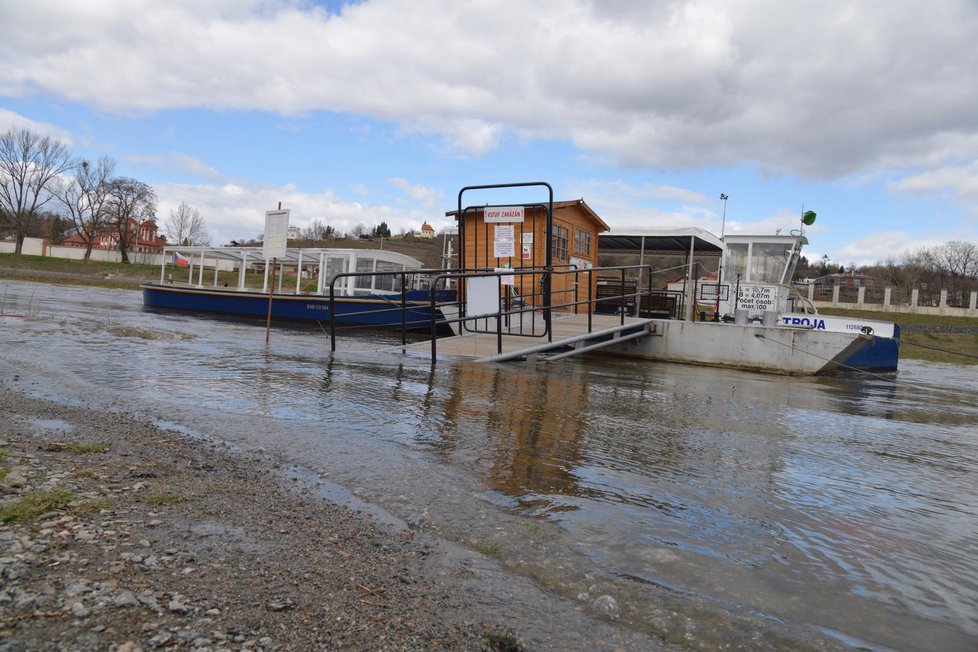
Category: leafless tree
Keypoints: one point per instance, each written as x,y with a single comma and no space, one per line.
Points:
909,270
29,165
130,203
84,197
957,258
186,226
318,231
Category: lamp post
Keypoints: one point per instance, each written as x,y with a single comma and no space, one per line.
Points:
723,227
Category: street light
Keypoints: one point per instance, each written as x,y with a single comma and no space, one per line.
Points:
723,227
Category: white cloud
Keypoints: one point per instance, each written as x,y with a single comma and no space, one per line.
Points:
235,212
430,198
815,88
195,166
10,120
961,180
880,246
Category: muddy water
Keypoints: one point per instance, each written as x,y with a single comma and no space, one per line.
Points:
702,499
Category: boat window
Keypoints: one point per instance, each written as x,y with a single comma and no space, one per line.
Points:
365,265
387,283
768,261
334,266
736,263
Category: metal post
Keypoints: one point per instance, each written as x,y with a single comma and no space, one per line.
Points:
268,321
723,227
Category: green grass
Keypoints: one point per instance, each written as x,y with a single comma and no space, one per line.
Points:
33,504
488,548
4,470
953,348
87,449
905,318
502,642
164,498
97,505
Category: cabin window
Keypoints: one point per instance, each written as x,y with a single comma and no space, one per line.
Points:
365,266
561,242
768,261
582,242
736,263
387,282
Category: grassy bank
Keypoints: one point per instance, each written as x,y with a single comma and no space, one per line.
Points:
75,272
927,342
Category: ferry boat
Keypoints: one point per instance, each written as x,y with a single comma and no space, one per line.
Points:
751,289
343,286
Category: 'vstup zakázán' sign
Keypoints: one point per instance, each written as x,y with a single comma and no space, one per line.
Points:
503,214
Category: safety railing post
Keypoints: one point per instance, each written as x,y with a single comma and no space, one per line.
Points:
332,317
403,308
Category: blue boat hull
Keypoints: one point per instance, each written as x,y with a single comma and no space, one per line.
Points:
879,354
367,311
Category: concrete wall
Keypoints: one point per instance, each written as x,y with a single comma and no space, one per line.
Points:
912,307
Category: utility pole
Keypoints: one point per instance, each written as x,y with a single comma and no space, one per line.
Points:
723,228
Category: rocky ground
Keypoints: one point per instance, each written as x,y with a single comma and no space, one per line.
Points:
117,535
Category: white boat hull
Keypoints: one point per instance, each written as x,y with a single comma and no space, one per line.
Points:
772,349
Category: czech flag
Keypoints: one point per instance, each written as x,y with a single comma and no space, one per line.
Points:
180,261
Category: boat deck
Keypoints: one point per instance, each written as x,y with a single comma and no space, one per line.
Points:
570,336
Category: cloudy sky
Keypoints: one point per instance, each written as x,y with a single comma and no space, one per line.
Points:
353,113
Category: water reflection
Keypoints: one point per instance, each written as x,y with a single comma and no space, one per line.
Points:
536,424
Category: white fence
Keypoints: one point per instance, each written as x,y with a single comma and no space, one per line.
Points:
40,247
911,305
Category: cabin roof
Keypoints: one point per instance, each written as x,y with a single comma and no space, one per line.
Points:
602,225
292,254
655,239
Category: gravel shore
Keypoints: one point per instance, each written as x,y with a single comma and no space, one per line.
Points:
119,535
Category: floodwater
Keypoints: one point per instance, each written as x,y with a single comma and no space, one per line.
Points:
840,508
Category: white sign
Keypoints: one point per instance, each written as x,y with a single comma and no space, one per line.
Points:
528,238
276,238
756,297
505,279
504,244
503,214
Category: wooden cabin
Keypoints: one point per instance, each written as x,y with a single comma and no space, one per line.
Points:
515,237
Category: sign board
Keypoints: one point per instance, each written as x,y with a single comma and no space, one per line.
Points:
481,296
276,238
527,240
580,263
504,244
756,297
505,279
502,214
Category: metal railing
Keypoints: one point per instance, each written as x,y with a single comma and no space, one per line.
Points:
399,302
504,311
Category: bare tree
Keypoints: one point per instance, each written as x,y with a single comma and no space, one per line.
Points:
186,226
29,164
130,203
85,196
907,272
956,258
